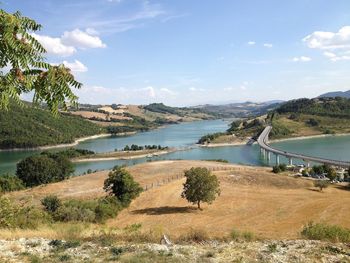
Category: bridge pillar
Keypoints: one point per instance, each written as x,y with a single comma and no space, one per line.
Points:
268,155
277,159
290,161
307,164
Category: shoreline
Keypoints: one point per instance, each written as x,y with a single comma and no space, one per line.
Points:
99,159
212,145
76,142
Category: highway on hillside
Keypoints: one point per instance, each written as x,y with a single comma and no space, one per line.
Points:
263,143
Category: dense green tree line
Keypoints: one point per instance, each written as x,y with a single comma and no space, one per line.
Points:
333,107
24,127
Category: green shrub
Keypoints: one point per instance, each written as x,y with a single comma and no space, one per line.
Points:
276,169
322,231
279,168
321,184
12,216
242,235
67,213
107,208
51,203
42,169
31,217
7,213
9,183
248,236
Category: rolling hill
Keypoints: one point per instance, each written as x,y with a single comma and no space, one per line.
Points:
343,94
28,127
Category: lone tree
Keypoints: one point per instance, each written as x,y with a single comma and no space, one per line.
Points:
121,184
200,186
321,184
23,69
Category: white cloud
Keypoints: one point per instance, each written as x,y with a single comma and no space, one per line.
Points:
55,46
167,91
70,41
251,43
335,44
75,66
302,59
268,45
81,39
149,91
329,40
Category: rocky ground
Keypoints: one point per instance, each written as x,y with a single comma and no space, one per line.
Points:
45,250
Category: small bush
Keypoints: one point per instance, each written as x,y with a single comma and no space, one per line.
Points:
321,231
321,184
237,235
116,251
9,183
279,168
248,236
51,203
195,235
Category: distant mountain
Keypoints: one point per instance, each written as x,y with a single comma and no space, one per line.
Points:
242,109
344,94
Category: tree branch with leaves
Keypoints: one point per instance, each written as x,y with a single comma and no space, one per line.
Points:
28,71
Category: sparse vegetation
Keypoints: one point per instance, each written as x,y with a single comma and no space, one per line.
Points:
200,186
9,183
279,168
321,184
322,231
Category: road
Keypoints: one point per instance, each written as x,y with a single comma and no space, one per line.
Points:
263,143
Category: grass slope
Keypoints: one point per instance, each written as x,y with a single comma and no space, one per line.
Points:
252,199
23,127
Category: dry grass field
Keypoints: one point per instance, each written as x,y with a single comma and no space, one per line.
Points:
252,199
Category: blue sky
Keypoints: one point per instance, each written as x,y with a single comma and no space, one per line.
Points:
189,52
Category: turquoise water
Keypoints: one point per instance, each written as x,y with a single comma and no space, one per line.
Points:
181,136
184,136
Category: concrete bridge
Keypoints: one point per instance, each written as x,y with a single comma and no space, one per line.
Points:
266,150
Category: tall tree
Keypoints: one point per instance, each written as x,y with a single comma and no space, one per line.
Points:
23,68
200,186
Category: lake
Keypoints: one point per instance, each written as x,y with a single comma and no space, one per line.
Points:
184,136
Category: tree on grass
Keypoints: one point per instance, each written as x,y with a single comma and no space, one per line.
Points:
121,184
321,184
200,186
22,54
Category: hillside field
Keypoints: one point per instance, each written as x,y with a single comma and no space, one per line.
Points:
252,199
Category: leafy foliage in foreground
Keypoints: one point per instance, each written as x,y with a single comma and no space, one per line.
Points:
25,127
24,55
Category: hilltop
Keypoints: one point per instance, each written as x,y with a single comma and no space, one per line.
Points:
138,116
240,110
30,127
295,118
333,94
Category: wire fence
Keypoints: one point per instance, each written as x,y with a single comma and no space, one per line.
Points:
166,180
